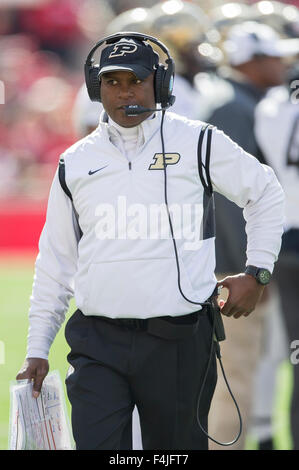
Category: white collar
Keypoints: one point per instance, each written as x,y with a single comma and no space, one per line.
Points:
123,131
148,127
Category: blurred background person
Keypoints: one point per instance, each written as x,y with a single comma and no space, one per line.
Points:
277,132
282,17
254,55
183,27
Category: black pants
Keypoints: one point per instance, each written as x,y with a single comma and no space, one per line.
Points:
117,367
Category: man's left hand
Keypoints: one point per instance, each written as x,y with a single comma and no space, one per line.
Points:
244,294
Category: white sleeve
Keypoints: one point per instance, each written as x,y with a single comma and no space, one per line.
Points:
241,178
55,267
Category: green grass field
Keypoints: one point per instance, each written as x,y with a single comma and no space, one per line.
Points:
15,290
16,277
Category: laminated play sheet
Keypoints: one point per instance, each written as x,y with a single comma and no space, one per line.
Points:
39,423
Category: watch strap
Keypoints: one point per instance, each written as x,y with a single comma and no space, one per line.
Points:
262,275
252,270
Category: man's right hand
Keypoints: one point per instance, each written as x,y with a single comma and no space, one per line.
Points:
34,368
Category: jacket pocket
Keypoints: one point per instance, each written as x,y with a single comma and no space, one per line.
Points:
136,288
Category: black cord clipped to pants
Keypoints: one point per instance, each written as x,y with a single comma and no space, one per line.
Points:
218,334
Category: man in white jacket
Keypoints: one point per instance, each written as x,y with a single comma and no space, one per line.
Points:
130,234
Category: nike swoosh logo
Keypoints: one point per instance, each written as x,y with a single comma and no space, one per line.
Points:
95,171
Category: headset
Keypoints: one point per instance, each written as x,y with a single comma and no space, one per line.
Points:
164,75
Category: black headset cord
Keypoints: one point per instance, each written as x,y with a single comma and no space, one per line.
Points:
214,341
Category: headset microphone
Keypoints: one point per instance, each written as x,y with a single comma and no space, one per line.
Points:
136,109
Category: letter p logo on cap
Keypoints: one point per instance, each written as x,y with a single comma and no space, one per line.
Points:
120,50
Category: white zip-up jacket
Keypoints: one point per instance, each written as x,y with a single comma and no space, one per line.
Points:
124,265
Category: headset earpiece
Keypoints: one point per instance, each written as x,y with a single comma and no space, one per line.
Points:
167,85
92,82
164,84
159,78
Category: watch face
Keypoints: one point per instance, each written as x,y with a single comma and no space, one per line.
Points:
264,276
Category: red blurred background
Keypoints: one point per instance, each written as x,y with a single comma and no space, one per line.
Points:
43,45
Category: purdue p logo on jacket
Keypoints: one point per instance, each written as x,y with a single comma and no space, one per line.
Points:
170,159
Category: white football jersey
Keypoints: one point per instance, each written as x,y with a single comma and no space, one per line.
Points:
277,133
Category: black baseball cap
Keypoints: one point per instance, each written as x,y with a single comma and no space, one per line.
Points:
130,55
